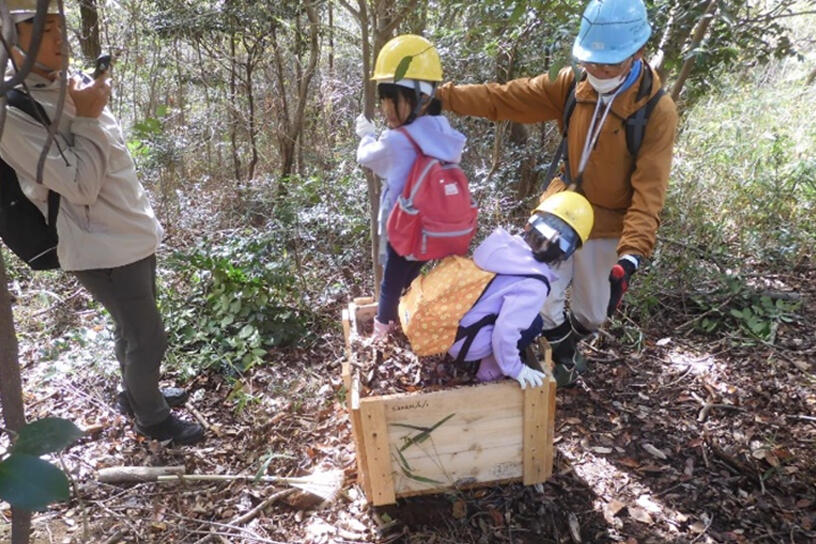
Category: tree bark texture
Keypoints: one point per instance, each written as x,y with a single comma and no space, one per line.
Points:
697,36
11,393
89,39
378,21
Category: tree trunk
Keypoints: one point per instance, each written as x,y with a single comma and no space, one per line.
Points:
377,23
811,77
11,393
233,107
660,56
697,36
250,95
89,39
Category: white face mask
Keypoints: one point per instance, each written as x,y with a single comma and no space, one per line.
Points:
604,86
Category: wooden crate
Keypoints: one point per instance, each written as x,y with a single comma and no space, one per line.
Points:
481,434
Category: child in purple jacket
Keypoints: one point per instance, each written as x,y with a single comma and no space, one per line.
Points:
505,319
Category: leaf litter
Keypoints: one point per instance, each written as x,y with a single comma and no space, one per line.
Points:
742,474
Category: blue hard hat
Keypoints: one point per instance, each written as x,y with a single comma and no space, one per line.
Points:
611,31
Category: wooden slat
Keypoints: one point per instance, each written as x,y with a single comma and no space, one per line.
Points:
352,316
535,434
544,345
470,402
345,374
459,435
375,438
549,419
487,465
363,300
480,441
357,433
346,319
366,312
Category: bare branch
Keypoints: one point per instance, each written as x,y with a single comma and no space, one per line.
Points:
351,10
398,19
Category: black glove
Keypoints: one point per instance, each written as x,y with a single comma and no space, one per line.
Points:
618,283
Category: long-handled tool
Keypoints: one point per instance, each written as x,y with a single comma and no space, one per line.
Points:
323,484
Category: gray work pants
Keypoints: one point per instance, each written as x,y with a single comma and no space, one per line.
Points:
128,293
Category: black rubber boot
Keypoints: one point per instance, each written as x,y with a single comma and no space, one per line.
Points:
175,397
568,362
175,429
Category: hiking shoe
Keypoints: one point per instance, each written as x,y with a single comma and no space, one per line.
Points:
175,429
175,397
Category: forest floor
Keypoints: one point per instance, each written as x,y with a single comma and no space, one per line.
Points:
689,440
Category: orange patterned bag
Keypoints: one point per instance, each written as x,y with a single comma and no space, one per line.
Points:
435,303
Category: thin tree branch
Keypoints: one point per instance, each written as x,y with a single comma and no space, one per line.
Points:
351,10
398,19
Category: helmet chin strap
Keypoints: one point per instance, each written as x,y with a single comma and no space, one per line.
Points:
37,65
420,103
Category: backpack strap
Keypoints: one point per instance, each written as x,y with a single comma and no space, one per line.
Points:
569,107
405,133
636,123
26,103
469,333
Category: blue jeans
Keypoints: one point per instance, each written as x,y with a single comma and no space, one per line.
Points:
398,274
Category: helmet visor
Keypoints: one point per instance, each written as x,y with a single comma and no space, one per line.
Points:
551,239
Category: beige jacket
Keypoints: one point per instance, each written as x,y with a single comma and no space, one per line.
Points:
105,219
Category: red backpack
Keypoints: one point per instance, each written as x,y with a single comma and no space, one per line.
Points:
434,216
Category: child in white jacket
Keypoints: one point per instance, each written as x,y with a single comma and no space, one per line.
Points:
406,104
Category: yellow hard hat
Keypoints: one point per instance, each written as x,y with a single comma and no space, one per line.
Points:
573,208
21,10
424,65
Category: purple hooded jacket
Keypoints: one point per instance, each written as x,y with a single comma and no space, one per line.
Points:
515,300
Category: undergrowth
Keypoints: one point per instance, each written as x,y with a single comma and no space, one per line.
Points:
739,212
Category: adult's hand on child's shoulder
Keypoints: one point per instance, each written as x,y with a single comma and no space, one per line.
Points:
90,100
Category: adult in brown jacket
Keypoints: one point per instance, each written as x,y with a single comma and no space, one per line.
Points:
626,192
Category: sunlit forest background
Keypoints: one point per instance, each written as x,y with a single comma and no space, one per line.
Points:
240,117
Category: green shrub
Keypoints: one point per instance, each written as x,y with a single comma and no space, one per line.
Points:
739,210
231,301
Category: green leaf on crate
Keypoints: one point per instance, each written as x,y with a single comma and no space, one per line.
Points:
402,68
403,462
46,435
421,437
422,479
30,483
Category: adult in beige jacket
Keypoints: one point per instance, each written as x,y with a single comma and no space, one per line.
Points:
108,233
626,192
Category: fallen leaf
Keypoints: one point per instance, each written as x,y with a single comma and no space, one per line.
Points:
574,527
663,341
629,462
772,459
611,509
601,449
646,502
640,515
654,451
459,509
698,526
